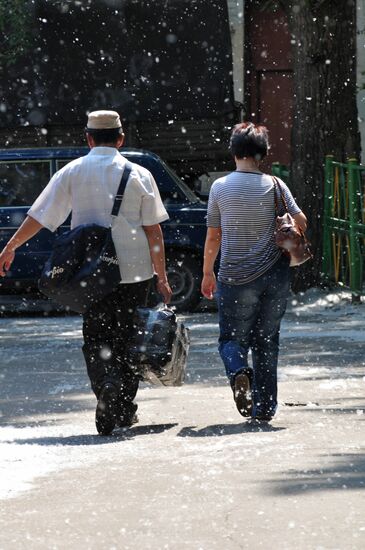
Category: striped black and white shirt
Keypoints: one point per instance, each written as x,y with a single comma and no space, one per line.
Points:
242,204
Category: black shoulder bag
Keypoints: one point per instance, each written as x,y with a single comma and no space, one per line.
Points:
83,266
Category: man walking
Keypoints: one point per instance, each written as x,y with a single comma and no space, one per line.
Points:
86,188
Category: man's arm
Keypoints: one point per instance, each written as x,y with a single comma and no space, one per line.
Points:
26,231
157,251
211,249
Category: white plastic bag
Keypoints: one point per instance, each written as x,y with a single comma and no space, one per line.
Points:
159,346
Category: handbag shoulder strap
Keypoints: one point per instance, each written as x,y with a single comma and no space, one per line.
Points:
123,182
282,196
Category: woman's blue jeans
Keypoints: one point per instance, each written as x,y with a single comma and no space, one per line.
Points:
249,318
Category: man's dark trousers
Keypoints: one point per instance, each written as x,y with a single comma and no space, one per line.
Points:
107,331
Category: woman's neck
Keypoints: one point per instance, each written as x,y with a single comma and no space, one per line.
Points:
247,165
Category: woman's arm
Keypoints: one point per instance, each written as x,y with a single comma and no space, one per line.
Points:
211,249
301,220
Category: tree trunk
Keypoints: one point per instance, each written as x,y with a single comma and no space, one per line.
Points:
325,111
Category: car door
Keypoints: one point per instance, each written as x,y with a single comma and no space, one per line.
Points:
21,181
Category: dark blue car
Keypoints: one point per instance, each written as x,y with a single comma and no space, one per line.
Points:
25,172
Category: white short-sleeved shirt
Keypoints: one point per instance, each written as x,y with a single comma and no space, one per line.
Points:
86,187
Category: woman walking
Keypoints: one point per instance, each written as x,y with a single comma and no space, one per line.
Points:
253,277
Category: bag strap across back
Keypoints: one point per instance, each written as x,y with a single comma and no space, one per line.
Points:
123,182
282,196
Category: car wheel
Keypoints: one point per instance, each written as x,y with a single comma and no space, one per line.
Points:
184,275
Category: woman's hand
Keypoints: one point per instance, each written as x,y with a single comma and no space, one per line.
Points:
211,249
209,285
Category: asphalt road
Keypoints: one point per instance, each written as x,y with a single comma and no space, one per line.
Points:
192,474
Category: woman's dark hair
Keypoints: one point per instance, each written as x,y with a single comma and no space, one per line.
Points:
104,136
249,140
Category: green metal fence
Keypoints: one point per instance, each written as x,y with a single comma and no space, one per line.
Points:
343,222
280,170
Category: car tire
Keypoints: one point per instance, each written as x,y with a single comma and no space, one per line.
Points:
184,275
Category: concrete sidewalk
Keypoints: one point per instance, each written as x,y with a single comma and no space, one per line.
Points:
193,474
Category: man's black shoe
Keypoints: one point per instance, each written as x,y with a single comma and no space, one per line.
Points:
105,418
126,417
242,394
263,417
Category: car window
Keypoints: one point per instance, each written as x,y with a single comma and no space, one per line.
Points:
61,163
181,184
22,181
172,189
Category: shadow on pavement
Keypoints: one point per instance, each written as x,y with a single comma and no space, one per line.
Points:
94,439
26,410
347,472
326,407
218,430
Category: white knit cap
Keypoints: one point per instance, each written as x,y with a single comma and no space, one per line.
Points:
103,120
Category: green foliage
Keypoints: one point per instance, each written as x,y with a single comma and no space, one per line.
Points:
15,30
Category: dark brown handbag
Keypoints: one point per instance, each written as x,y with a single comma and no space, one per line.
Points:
288,235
